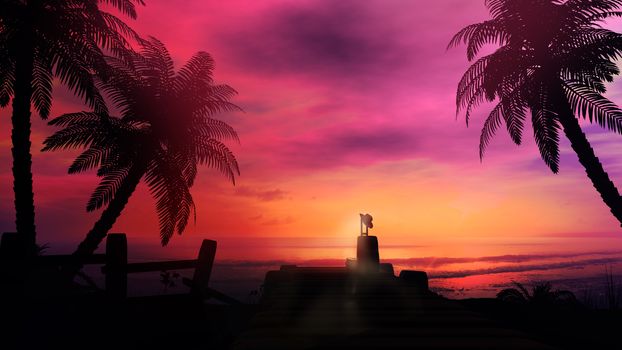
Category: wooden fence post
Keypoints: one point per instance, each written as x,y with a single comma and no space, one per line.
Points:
116,265
13,258
12,246
203,269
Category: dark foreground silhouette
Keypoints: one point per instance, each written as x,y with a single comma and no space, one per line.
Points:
362,305
299,322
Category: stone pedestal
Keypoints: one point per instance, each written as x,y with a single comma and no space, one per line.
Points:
367,252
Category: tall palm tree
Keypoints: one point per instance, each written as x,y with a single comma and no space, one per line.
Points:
553,62
165,130
40,40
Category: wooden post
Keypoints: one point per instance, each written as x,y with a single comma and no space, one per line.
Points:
13,258
116,264
12,246
203,270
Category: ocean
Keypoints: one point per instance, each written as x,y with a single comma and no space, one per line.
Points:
457,268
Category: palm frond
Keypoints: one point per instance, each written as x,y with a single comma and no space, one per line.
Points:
593,106
7,79
489,32
74,136
477,35
483,79
514,111
590,10
156,63
210,105
197,72
75,73
116,26
42,87
216,129
217,155
546,130
173,199
470,87
127,7
107,188
75,118
122,84
190,169
85,129
90,158
68,40
491,125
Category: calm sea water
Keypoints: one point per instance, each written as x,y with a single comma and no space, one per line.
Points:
462,268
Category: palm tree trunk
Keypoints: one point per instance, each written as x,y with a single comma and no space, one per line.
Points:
594,169
109,216
20,136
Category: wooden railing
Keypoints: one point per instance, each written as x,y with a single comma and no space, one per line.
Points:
116,266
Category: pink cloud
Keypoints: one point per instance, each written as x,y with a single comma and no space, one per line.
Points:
263,195
325,86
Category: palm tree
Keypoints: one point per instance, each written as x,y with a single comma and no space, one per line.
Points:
553,61
541,295
40,40
165,130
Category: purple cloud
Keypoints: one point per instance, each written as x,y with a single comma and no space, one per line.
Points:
262,195
333,40
347,145
524,268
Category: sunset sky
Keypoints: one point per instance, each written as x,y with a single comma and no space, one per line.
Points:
349,107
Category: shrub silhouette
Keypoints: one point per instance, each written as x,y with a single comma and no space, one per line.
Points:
541,295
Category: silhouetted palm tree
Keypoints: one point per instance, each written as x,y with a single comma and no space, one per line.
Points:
40,40
553,61
165,131
542,295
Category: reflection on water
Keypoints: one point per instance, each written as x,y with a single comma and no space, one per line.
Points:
463,268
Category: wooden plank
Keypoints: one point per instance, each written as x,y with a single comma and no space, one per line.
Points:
61,259
161,266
